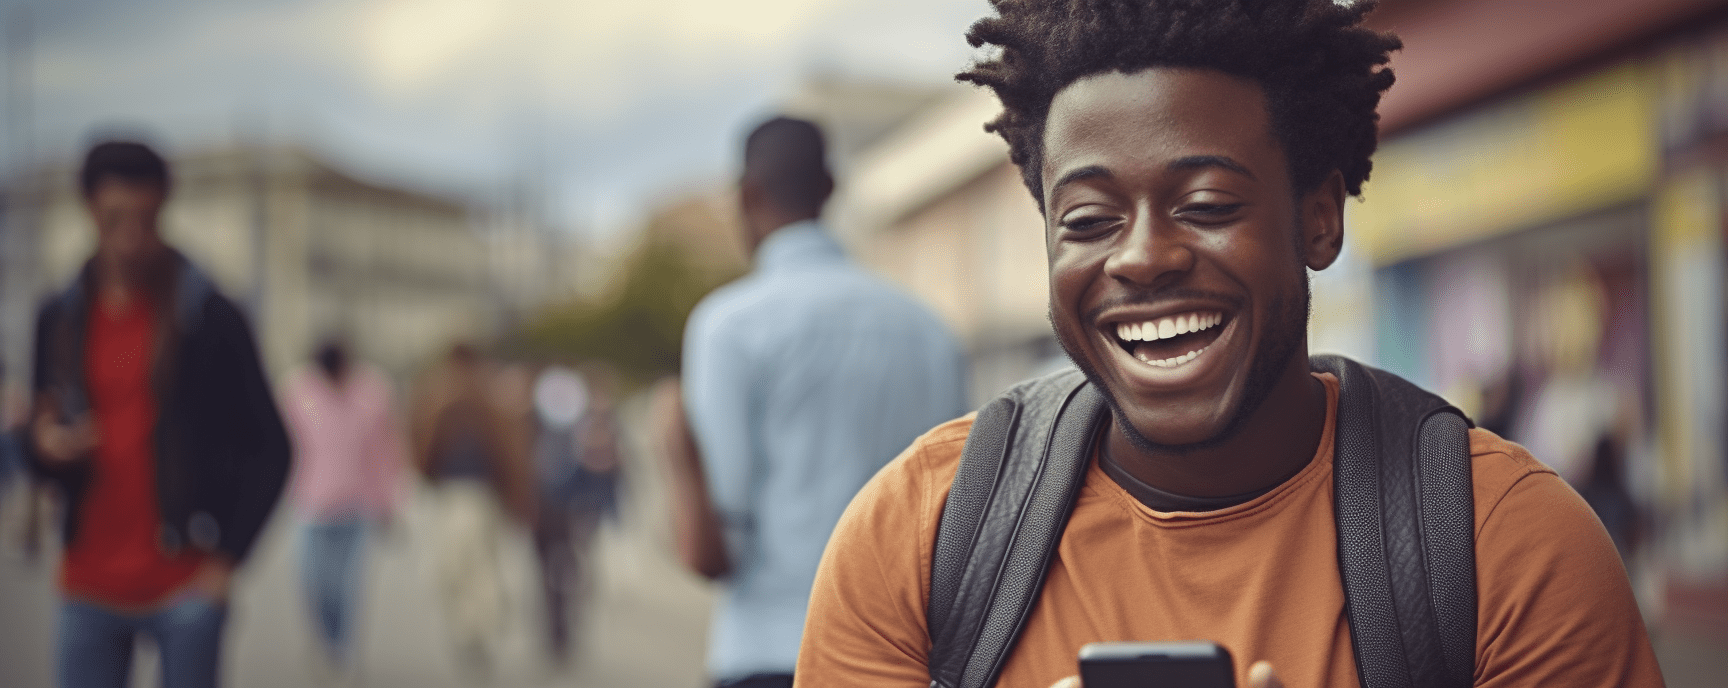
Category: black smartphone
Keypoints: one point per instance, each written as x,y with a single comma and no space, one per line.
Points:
1188,664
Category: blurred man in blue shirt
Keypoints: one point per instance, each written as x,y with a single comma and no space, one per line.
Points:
800,381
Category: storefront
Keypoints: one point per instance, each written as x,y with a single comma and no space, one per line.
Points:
1553,262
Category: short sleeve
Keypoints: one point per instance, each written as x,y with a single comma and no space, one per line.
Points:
1555,606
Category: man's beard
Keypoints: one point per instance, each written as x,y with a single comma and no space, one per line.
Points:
1289,331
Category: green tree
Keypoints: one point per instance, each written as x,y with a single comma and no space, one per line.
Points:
638,326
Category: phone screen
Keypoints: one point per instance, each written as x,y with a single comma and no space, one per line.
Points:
1192,664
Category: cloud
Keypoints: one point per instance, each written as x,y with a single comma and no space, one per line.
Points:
584,58
610,101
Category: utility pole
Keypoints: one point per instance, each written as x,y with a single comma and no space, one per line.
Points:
20,192
20,86
256,153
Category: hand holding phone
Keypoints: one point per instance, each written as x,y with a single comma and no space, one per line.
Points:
1190,664
63,443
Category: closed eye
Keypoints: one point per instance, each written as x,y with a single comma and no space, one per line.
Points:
1089,225
1209,213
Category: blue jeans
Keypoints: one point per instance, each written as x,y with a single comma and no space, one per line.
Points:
96,643
330,571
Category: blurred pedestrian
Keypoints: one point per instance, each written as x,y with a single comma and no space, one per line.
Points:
576,462
26,504
11,455
17,494
472,449
800,381
153,416
349,456
1608,495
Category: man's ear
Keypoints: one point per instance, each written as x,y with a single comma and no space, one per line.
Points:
827,189
1323,222
749,194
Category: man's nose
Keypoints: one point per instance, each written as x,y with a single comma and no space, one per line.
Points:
1152,252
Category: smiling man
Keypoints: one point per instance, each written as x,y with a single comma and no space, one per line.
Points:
1191,159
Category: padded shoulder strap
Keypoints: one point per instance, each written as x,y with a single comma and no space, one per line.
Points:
1023,464
1405,512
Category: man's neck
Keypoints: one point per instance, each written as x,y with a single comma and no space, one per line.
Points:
119,286
1276,441
772,225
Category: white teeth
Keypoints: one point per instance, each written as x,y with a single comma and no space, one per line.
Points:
1173,362
1167,327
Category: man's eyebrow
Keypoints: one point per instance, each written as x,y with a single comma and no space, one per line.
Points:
1077,174
1198,161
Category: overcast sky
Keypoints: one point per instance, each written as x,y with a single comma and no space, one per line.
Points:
611,102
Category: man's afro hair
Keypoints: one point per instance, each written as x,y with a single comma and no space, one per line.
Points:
1321,71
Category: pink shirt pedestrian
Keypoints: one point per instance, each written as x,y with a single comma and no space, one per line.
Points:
349,451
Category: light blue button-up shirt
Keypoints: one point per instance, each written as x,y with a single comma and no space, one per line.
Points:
801,380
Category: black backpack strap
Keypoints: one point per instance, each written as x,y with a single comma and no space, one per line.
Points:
1022,467
1406,551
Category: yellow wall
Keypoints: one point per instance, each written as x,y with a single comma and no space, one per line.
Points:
1587,144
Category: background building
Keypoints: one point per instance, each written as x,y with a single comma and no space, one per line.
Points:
1545,228
308,250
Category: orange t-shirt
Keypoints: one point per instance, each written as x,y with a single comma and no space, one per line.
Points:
1260,578
116,558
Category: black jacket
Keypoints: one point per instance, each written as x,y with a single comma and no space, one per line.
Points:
221,450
